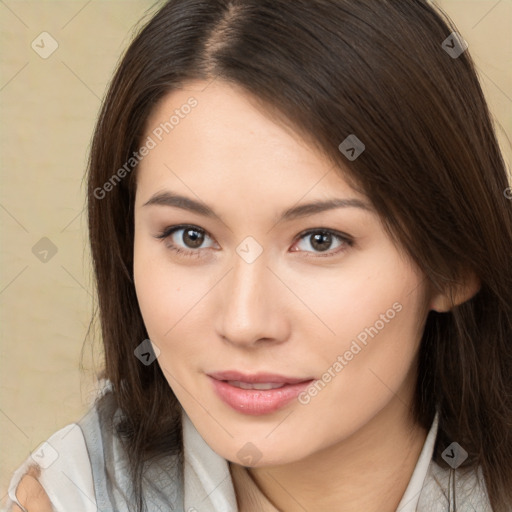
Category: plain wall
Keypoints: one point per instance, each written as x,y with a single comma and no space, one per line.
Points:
48,108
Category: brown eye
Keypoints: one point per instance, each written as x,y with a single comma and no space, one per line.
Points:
322,241
185,240
192,238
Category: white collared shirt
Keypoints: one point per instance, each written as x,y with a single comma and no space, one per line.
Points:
207,481
209,486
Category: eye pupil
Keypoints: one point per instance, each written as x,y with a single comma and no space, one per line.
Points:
321,241
196,238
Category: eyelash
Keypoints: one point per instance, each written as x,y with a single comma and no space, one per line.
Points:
164,235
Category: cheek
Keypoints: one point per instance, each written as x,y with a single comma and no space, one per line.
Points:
373,357
377,295
373,320
169,296
159,291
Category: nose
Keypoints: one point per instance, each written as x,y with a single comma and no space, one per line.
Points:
252,305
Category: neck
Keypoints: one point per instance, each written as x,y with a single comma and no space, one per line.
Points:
369,471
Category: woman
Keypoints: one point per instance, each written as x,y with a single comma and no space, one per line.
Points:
301,239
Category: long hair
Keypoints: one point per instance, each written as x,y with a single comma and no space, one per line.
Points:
382,71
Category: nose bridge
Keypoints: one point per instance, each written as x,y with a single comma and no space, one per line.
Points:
249,305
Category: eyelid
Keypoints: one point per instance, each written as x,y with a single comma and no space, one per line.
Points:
335,232
347,239
170,230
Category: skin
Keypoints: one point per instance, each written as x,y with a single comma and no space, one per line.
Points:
31,494
292,311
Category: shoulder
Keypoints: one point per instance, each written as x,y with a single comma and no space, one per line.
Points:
30,493
57,473
85,466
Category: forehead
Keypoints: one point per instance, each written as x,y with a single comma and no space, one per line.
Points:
215,137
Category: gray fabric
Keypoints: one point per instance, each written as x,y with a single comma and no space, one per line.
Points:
163,481
453,490
444,490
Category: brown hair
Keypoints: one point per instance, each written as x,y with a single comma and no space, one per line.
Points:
432,169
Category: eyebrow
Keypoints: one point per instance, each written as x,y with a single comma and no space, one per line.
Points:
168,198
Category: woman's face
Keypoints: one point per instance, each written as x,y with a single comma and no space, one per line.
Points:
253,281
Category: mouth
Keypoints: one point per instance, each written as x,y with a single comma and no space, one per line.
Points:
262,386
257,394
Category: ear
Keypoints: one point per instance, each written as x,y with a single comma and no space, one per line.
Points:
457,294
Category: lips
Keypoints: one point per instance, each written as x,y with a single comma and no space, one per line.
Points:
257,394
261,386
257,377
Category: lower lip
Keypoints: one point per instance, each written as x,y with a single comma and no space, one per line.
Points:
257,401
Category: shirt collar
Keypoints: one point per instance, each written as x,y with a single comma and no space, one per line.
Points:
409,501
208,486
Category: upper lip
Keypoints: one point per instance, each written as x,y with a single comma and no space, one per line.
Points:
257,377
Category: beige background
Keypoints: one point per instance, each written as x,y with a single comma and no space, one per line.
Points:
48,108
